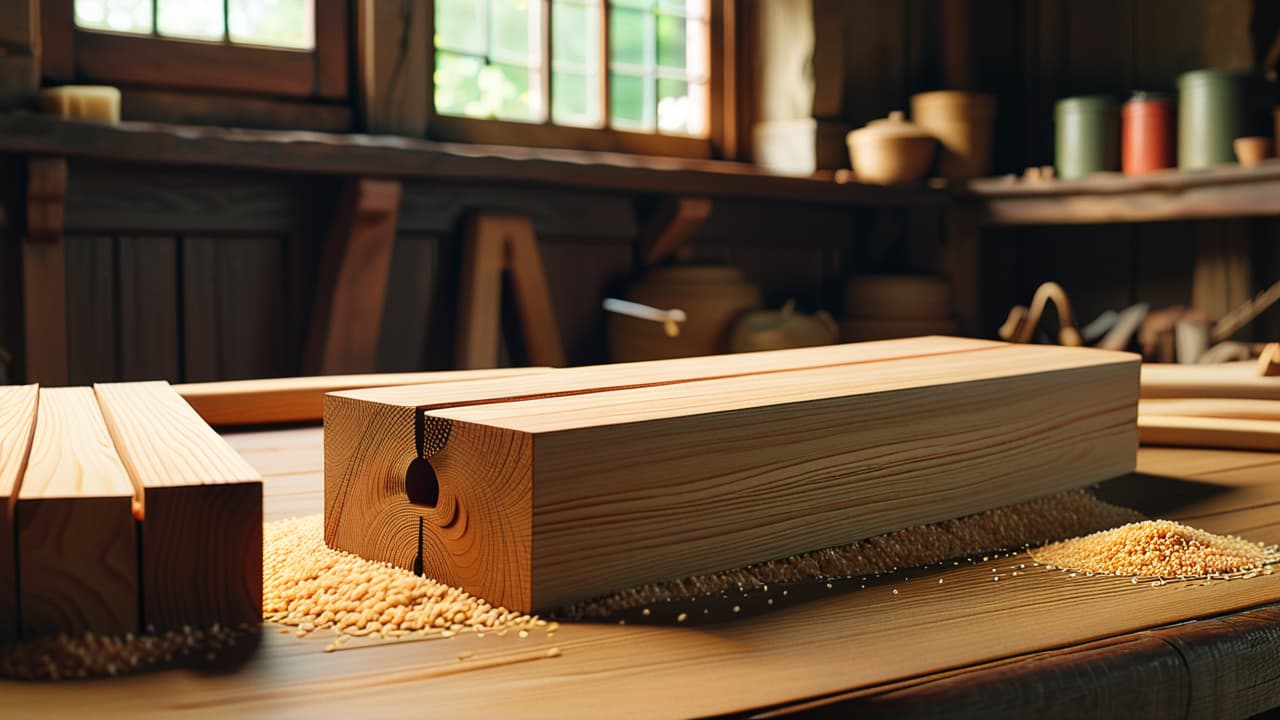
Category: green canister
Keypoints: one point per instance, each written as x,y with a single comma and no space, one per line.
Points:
1087,137
1212,113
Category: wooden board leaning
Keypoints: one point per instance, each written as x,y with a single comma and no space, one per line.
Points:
533,497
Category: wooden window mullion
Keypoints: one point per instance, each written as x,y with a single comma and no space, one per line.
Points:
606,119
544,75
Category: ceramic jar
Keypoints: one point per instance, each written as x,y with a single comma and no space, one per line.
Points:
1212,112
712,296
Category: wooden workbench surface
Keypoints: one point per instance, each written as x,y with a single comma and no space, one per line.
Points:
1039,641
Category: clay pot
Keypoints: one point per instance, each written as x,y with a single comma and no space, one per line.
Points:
965,124
897,297
891,151
712,296
782,329
1251,151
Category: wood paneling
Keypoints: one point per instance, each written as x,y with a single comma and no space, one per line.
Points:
92,346
147,308
413,299
233,315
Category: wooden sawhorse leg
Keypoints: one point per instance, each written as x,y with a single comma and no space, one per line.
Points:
493,244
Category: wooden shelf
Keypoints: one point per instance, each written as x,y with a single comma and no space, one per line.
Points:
407,158
1222,192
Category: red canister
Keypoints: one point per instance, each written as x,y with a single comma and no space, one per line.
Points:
1146,134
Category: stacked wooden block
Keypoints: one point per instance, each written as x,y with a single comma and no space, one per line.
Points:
538,491
121,510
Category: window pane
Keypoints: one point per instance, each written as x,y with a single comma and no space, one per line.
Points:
676,109
460,25
630,102
513,89
131,16
279,23
457,86
671,41
575,34
688,8
629,37
575,99
642,4
514,35
201,19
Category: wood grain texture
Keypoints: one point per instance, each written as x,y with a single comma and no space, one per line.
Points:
1239,380
1211,408
91,309
17,423
77,540
371,438
301,399
720,463
201,509
147,308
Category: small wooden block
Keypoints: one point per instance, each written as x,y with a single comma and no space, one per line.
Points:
1269,360
17,422
540,498
77,537
201,510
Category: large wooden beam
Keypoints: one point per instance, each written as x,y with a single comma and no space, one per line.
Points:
44,272
786,461
19,53
77,537
352,288
17,423
200,507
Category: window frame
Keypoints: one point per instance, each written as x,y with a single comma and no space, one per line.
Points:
72,54
720,142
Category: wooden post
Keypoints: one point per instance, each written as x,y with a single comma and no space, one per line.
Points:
19,53
352,286
492,244
957,44
44,272
673,222
394,65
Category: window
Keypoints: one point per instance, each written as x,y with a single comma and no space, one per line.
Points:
272,23
284,48
600,74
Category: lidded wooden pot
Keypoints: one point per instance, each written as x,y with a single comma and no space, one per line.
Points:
890,151
964,122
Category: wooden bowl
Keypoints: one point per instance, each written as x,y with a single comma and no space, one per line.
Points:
897,297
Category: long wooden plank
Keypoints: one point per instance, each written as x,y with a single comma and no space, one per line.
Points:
17,423
301,399
201,509
77,537
1211,408
1215,432
371,432
1228,380
699,476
